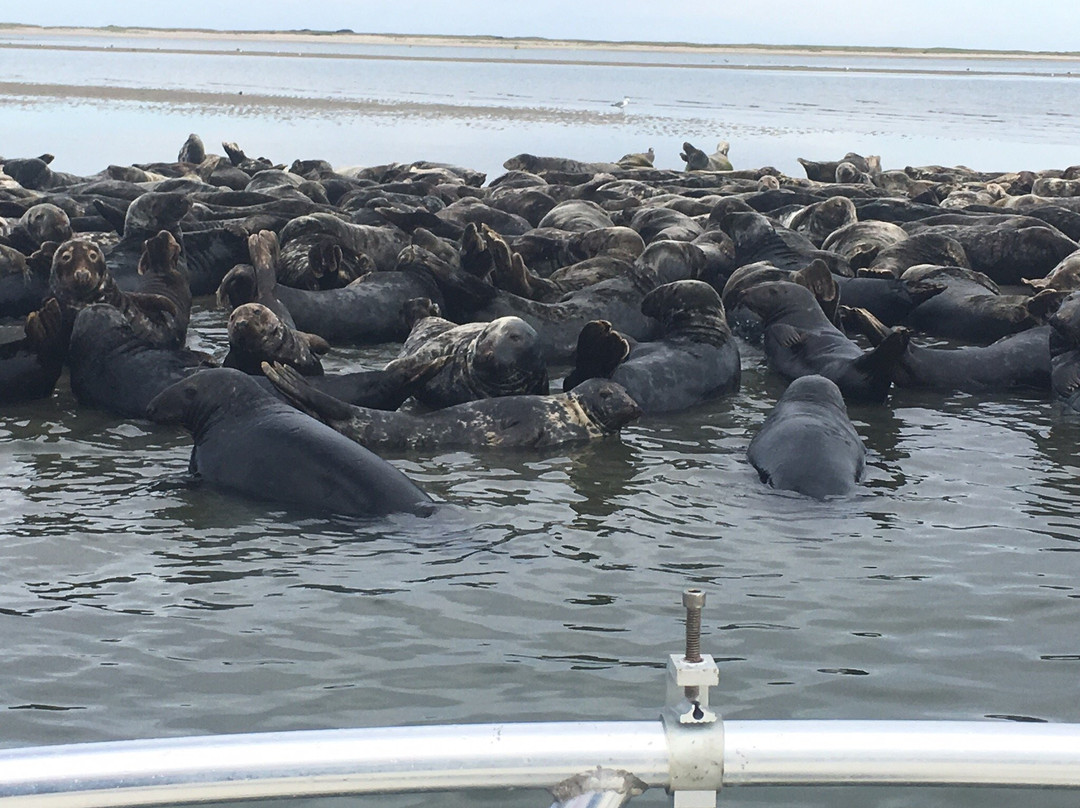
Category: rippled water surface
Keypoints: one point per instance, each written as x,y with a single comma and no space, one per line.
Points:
547,587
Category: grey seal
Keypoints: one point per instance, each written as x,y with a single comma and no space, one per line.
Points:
807,443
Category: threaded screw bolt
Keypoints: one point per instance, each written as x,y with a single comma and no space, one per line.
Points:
693,600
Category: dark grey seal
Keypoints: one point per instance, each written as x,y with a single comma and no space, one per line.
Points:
800,341
113,369
249,442
807,443
694,359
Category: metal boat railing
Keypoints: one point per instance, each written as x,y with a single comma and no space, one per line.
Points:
689,751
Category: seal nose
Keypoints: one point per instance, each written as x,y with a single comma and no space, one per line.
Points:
82,276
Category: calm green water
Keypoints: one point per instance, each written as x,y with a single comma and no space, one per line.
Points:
548,586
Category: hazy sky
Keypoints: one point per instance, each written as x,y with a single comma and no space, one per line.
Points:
997,24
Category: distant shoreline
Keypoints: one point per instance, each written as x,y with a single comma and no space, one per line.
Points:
351,38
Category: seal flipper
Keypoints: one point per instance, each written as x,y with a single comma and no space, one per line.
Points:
1067,380
44,330
113,215
880,361
303,396
866,323
787,336
600,349
1045,303
818,279
476,258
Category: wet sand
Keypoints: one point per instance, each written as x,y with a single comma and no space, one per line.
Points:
348,38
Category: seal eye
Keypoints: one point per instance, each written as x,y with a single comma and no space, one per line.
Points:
65,256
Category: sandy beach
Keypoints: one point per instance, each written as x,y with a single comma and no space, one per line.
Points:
350,38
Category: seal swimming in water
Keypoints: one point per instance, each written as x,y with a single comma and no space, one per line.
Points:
596,408
251,443
807,443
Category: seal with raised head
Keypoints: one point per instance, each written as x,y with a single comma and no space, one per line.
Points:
595,409
697,160
113,369
746,323
249,442
503,357
257,335
79,277
807,443
694,359
801,341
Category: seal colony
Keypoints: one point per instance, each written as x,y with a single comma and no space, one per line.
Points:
634,291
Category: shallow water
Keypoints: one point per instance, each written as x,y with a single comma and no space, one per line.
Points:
548,585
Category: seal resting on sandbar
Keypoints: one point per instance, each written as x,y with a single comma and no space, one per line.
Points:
800,341
249,442
113,369
594,409
479,360
693,360
807,443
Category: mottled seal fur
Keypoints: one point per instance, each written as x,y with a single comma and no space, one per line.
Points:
595,409
257,335
480,360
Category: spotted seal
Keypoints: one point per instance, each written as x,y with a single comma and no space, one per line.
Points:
256,335
595,409
482,360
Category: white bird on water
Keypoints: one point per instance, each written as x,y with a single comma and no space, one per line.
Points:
622,104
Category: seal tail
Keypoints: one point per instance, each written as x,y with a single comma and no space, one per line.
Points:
302,395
